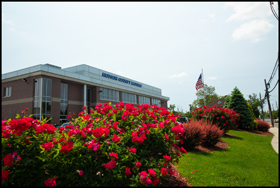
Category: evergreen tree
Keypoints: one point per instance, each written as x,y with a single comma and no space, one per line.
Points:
227,100
239,105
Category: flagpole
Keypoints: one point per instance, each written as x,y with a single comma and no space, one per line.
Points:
203,86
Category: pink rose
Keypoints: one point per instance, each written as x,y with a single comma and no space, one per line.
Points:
115,155
50,182
138,164
127,171
148,181
132,150
81,172
166,157
152,172
110,165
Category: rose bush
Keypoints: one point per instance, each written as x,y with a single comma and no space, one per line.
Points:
120,145
224,118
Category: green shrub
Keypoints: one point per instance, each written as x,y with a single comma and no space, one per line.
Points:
213,134
262,125
193,134
110,146
255,124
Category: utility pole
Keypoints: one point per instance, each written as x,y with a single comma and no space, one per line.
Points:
261,106
267,95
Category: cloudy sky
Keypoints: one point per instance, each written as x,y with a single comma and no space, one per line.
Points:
163,44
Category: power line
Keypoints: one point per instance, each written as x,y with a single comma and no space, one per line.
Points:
274,70
274,86
273,11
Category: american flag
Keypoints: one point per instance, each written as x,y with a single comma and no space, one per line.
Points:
199,83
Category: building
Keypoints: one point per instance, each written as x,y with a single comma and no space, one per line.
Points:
51,91
219,103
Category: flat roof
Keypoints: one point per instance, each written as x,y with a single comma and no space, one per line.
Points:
85,74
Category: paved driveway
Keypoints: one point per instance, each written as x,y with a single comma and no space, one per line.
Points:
269,121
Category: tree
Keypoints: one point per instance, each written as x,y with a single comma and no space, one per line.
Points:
192,107
179,110
275,114
255,103
227,100
188,115
267,114
239,105
172,107
251,110
210,96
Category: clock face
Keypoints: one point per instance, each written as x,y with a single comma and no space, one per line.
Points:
219,102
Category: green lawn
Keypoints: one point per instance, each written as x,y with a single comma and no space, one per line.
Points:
250,161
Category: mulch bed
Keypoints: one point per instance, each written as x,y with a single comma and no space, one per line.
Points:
178,181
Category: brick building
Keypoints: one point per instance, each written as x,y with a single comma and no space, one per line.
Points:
50,91
219,103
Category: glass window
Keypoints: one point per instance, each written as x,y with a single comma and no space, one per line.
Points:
44,88
44,107
129,98
144,100
36,107
48,107
37,99
49,88
42,103
7,91
156,102
109,94
64,92
63,102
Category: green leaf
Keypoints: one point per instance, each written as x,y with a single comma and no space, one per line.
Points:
40,158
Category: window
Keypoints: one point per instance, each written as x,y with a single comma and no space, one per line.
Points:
144,100
156,102
88,100
42,98
63,102
7,91
109,94
129,98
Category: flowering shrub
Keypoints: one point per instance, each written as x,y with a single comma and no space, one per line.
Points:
262,125
223,117
120,145
213,134
193,134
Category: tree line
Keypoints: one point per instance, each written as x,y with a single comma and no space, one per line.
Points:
253,103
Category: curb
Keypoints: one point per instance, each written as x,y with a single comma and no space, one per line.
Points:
275,139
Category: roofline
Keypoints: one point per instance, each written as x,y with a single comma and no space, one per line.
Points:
77,80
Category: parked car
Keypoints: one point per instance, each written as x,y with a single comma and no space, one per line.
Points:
62,125
276,120
184,120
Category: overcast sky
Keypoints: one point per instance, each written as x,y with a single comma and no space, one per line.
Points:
163,44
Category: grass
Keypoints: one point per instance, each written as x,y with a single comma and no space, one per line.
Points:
250,161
